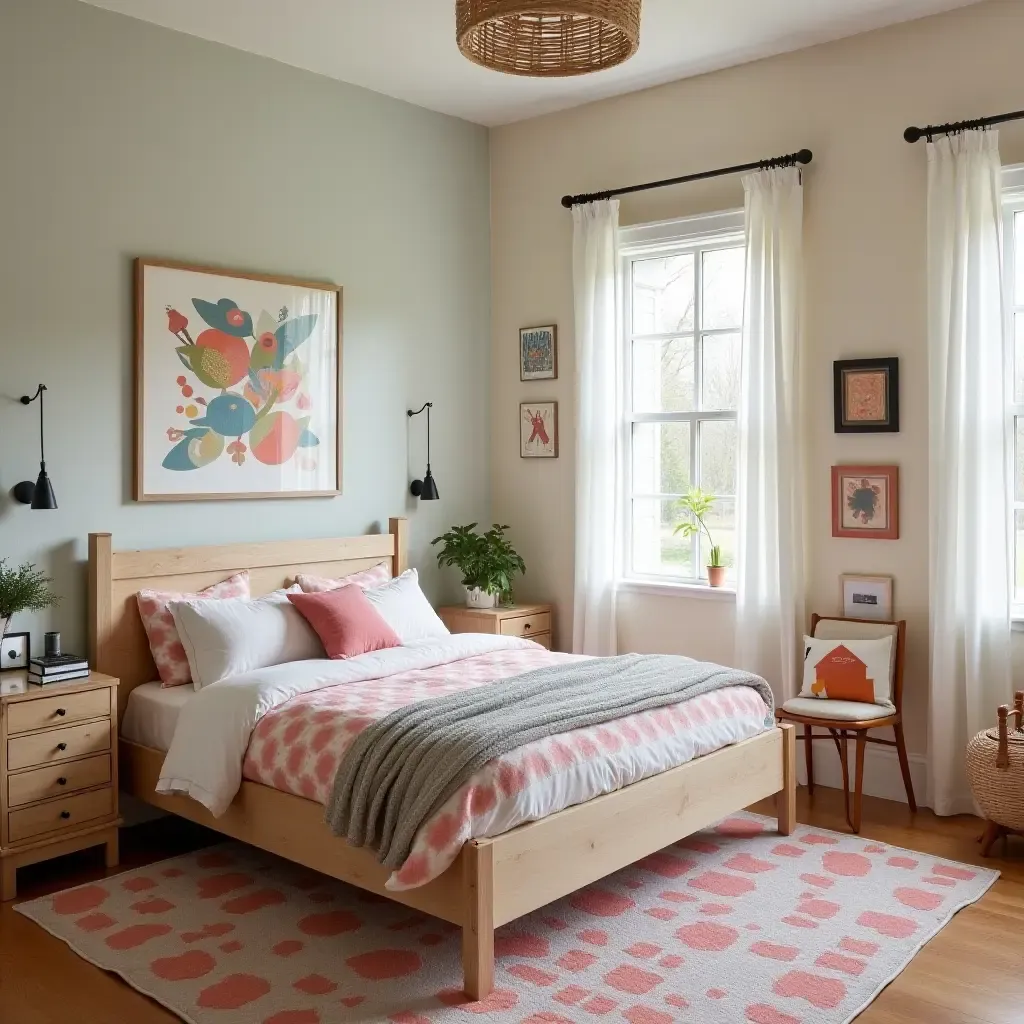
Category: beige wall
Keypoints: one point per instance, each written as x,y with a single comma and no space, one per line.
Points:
119,138
865,241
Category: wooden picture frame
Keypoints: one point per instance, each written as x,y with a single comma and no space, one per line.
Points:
866,395
538,353
866,597
865,502
538,430
285,431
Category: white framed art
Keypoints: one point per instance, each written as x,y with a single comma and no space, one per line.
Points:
866,597
238,384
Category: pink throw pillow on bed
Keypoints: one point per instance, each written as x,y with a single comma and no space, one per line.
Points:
164,642
375,576
346,622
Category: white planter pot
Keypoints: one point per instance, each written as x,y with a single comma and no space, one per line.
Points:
477,598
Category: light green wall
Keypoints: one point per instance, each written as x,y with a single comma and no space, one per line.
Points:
118,139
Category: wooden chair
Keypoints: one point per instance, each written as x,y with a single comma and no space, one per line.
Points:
846,720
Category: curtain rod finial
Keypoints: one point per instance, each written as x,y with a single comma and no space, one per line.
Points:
567,202
805,156
913,134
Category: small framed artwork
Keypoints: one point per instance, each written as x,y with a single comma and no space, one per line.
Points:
538,430
238,385
867,395
865,502
14,651
866,597
538,353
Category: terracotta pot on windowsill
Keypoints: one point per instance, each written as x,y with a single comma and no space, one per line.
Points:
716,575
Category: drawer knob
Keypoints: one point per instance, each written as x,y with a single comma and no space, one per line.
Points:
62,782
529,625
62,746
61,712
65,815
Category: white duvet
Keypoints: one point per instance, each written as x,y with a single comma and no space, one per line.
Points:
213,731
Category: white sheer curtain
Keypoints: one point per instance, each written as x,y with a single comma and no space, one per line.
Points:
970,533
596,287
769,512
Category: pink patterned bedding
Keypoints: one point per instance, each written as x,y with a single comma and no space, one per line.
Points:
297,748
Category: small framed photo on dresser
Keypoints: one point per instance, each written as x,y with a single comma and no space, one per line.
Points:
15,651
538,430
867,395
538,353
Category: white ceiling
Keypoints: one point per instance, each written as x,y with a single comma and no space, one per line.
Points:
406,48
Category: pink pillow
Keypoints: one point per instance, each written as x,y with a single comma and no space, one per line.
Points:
164,643
375,576
346,622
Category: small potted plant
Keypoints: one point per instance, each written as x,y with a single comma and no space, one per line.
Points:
699,504
24,589
487,561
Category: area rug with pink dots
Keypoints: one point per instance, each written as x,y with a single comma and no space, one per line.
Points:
733,924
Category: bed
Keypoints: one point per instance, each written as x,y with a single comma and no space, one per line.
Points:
491,881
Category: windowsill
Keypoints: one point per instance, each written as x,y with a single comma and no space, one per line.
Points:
1017,620
697,591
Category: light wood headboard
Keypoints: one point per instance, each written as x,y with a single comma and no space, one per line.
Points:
117,640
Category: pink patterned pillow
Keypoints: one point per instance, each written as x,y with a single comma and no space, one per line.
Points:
367,579
169,655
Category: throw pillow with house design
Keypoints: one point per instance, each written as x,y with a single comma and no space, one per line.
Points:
850,670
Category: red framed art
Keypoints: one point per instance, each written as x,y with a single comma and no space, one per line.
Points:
865,502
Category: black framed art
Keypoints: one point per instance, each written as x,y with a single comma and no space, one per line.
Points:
867,395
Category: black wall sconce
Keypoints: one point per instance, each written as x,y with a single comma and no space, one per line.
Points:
39,494
425,489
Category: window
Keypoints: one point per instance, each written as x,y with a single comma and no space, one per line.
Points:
683,311
1014,239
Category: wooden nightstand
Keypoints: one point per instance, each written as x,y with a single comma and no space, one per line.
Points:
534,621
58,771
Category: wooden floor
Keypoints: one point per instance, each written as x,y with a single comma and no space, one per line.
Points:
971,973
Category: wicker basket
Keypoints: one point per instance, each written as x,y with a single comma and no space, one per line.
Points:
995,768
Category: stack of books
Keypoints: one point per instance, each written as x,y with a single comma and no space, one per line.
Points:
60,669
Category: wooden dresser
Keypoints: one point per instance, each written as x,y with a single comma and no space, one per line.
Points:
534,621
58,772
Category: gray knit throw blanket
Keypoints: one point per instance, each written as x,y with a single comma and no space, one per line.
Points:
405,766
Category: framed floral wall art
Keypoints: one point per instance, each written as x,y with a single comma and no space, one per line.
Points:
865,502
238,384
538,430
538,353
866,395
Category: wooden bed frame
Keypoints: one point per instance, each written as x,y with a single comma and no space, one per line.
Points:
493,881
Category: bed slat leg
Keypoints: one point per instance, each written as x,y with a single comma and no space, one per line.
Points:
478,926
786,799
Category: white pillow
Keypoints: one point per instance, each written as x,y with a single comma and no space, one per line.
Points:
230,636
849,670
405,608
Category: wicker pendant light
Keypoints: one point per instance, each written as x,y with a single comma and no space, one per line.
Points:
548,38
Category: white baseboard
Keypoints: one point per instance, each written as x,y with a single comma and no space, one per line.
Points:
882,777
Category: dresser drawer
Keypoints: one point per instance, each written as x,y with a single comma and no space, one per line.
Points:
544,639
59,814
48,711
56,780
527,625
58,745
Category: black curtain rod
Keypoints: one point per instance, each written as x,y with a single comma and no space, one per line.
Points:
803,157
913,134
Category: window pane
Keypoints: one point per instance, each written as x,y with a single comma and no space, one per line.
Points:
663,295
1018,352
656,549
663,375
1018,540
718,456
1018,458
722,288
1018,249
661,458
721,521
720,372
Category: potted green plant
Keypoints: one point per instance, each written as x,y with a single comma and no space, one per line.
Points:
22,590
699,504
487,561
